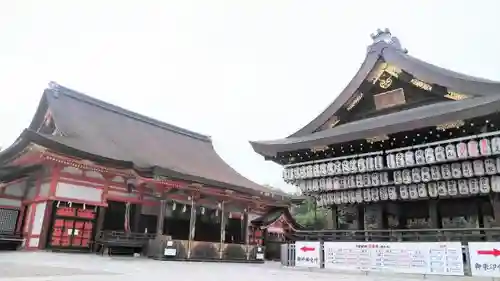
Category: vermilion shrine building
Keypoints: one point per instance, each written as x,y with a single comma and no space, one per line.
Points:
405,146
84,167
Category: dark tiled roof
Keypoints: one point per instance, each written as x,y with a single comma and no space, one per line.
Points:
427,72
401,121
102,129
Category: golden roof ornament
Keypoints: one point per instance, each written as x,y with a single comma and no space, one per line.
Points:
386,36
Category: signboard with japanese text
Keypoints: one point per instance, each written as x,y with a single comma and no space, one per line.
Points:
484,258
414,258
307,254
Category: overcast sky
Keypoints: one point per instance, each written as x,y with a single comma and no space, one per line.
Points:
235,70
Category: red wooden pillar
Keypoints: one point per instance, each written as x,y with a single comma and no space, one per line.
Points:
47,217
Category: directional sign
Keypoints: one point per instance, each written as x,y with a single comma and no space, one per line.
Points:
485,258
307,254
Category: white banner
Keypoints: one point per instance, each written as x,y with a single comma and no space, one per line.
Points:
485,258
416,258
307,254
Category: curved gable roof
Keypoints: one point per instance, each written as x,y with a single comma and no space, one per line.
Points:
395,55
108,132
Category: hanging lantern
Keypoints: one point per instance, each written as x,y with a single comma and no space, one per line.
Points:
361,163
495,145
484,185
316,170
442,189
473,186
359,195
446,171
419,157
403,192
425,174
322,169
485,147
489,166
467,169
430,158
440,153
413,191
406,176
478,166
370,164
422,190
416,175
400,160
495,183
432,189
463,187
384,178
452,187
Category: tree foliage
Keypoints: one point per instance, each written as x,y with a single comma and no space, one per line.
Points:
309,216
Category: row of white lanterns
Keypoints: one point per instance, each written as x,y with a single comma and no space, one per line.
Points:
430,155
456,170
462,187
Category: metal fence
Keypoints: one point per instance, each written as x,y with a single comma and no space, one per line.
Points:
288,256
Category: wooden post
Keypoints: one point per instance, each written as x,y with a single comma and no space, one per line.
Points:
192,226
137,218
222,229
161,217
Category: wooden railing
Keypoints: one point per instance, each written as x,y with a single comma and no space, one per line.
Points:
395,235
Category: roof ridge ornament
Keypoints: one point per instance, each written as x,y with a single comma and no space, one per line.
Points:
386,37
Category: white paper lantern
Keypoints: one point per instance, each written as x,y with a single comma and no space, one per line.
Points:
446,171
412,189
375,179
337,166
473,186
352,196
375,194
478,166
359,195
285,174
489,166
409,158
309,171
384,195
391,161
419,157
495,183
473,148
316,170
302,172
406,175
379,162
345,167
296,173
367,181
432,189
353,166
322,184
422,190
345,197
343,182
367,196
456,170
309,185
329,183
322,169
400,160
463,187
467,169
351,181
451,152
359,180
442,188
403,192
436,173
484,185
361,165
462,152
416,176
315,185
440,153
398,178
452,187
484,147
337,198
393,194
430,158
370,164
384,178
495,145
302,185
426,174
336,183
330,169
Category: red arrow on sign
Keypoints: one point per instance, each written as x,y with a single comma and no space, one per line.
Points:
494,252
310,249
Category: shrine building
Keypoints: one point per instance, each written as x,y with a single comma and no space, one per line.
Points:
406,145
86,174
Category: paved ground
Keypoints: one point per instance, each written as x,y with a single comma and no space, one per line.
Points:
33,266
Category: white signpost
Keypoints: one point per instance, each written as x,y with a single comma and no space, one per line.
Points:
405,257
307,254
484,258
